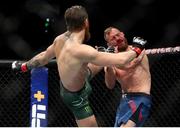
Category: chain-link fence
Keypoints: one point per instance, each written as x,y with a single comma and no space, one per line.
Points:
15,96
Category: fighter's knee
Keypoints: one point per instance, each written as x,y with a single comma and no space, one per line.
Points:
130,123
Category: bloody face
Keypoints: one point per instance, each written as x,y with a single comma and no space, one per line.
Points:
116,38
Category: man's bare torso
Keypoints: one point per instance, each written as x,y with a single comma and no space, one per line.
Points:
71,69
136,78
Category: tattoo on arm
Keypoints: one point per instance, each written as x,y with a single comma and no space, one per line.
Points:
33,63
39,60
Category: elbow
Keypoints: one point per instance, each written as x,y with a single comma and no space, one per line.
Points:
45,61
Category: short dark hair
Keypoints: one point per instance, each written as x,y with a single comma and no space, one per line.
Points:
75,17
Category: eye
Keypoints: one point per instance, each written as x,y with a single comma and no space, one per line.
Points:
113,38
118,34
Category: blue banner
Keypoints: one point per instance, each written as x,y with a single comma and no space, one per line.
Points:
39,97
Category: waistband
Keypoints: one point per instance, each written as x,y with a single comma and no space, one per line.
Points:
132,94
78,91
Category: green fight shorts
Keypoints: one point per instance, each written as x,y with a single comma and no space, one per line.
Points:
78,101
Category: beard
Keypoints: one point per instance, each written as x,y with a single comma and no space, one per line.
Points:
124,46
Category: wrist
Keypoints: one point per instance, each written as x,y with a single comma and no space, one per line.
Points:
137,50
24,67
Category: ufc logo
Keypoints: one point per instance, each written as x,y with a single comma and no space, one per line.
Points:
36,116
139,40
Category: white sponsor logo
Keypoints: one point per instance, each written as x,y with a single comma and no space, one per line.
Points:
139,40
78,102
36,116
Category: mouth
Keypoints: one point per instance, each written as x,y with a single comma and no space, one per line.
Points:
120,41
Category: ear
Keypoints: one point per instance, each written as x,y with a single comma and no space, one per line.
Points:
86,23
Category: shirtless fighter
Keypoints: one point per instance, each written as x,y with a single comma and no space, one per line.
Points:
135,81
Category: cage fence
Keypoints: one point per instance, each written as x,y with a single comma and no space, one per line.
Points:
15,96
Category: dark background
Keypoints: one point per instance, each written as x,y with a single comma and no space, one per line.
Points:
23,33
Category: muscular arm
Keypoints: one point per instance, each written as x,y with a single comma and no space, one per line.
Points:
89,54
42,58
118,59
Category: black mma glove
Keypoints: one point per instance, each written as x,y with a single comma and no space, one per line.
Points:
138,45
19,66
101,49
110,49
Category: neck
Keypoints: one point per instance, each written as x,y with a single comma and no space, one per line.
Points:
79,36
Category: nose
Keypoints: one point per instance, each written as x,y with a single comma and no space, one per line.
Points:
120,37
117,37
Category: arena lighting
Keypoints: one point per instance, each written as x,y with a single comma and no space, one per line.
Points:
47,24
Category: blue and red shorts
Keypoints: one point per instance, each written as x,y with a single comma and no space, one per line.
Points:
134,107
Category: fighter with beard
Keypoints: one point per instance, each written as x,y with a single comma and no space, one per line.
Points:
135,81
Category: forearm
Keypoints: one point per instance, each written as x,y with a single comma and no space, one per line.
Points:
37,61
112,59
127,57
110,77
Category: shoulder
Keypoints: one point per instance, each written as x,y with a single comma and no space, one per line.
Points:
85,48
59,38
84,51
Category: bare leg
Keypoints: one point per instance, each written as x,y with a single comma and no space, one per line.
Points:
87,122
130,123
